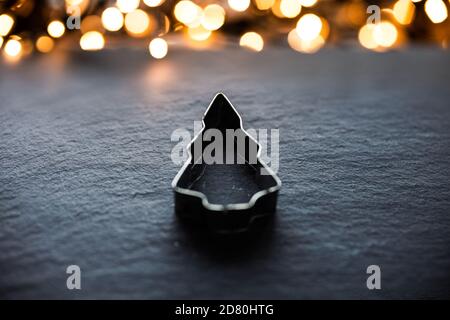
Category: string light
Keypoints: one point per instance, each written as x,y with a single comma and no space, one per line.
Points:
436,10
127,6
309,27
92,41
158,48
153,3
365,36
199,21
385,34
44,44
13,49
6,24
308,3
264,4
239,5
378,36
112,19
199,33
252,40
92,23
213,17
56,29
404,11
305,46
137,23
290,8
187,12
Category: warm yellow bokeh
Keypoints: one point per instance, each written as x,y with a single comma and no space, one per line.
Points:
213,17
310,46
92,41
1,41
199,33
404,11
188,13
365,36
44,44
112,19
56,29
158,48
137,23
252,40
436,10
153,3
239,5
290,8
127,6
308,3
379,37
309,27
385,34
76,7
92,23
6,24
264,4
13,50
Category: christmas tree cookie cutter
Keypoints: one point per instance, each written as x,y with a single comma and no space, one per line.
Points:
227,197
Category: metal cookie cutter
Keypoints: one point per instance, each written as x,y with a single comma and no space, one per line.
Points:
231,193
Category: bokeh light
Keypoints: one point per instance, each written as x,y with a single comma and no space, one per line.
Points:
404,11
127,6
6,24
92,41
385,34
13,49
290,8
252,40
307,3
305,46
44,44
92,23
213,17
309,27
264,4
239,5
137,23
153,3
365,36
213,24
158,48
436,10
112,19
379,36
199,33
187,12
56,29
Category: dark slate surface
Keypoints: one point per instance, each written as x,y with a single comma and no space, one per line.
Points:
85,174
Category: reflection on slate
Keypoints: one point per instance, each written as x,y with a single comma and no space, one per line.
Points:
85,175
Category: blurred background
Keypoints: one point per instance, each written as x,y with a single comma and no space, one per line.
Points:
91,92
29,27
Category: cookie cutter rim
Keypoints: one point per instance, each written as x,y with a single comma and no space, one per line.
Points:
201,195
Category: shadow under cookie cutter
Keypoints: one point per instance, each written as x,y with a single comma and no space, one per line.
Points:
227,197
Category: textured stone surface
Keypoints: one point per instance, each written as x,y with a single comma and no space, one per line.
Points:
85,174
